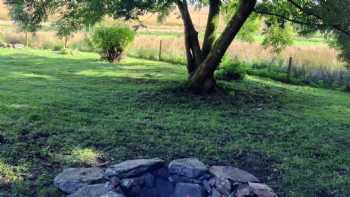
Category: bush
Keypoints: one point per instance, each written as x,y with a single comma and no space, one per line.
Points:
347,88
113,41
232,69
58,47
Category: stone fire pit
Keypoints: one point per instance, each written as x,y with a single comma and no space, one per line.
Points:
154,178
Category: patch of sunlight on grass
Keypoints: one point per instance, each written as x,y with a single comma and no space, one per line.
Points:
85,156
31,75
109,73
135,74
20,106
295,88
9,174
327,113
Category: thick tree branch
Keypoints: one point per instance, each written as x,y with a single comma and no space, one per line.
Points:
310,13
211,62
285,18
212,25
193,49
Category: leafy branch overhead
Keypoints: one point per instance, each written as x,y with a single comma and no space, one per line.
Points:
282,17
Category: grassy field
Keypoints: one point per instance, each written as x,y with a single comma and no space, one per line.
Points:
58,111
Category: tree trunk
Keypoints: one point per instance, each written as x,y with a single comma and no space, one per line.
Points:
65,42
202,80
202,63
212,25
193,50
27,39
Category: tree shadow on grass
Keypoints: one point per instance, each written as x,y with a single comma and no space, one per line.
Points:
176,93
66,68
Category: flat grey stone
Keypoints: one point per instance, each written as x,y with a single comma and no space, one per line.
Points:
233,174
189,189
255,190
223,186
133,168
188,167
98,190
262,190
72,179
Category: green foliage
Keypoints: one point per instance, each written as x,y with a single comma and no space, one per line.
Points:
66,27
308,16
113,41
343,43
231,69
250,28
278,36
347,88
58,47
30,14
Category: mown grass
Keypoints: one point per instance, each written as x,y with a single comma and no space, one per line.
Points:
58,111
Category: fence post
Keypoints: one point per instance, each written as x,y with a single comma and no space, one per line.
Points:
27,39
290,65
160,50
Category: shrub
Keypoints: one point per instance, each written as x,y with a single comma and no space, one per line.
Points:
347,88
113,41
58,47
231,69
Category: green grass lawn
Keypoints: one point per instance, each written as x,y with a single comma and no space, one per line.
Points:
58,111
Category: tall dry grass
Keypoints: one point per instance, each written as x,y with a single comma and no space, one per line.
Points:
314,65
4,13
41,39
312,56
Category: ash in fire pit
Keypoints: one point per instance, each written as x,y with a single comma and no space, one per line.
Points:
154,178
